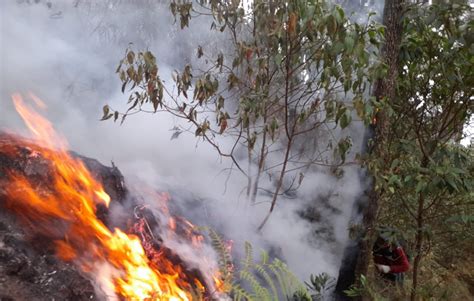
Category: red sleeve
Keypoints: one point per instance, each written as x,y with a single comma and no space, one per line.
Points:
401,265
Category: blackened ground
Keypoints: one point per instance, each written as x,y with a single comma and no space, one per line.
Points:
29,271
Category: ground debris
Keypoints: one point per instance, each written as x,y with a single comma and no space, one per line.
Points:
30,272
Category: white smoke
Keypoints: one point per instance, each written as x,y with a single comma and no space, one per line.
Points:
67,53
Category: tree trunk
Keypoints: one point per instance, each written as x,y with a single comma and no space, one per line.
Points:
385,87
418,247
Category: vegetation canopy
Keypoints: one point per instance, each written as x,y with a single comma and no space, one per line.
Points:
288,82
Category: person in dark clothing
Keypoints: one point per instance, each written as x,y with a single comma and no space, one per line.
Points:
390,259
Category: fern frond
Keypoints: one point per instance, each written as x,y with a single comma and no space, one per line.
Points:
220,247
224,260
264,281
281,278
295,283
248,260
261,293
240,294
264,257
268,279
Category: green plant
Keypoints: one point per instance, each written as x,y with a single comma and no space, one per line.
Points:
321,285
425,178
268,279
358,290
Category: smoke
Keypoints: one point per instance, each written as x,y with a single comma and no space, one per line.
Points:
359,10
66,52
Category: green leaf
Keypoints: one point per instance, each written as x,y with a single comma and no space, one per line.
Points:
331,25
452,183
394,163
340,112
348,43
345,120
420,186
343,147
340,14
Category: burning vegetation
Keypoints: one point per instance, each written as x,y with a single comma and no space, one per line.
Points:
62,202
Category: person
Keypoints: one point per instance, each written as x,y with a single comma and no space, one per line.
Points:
390,259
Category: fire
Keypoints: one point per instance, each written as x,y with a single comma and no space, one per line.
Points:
125,264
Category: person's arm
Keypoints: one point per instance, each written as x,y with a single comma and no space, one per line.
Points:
401,264
378,259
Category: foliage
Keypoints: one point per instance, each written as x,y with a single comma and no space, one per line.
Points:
293,72
356,291
321,285
268,279
225,259
374,290
427,181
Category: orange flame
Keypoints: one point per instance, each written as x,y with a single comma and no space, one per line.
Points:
67,212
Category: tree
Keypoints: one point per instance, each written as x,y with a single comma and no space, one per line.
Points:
427,169
384,92
422,178
292,74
